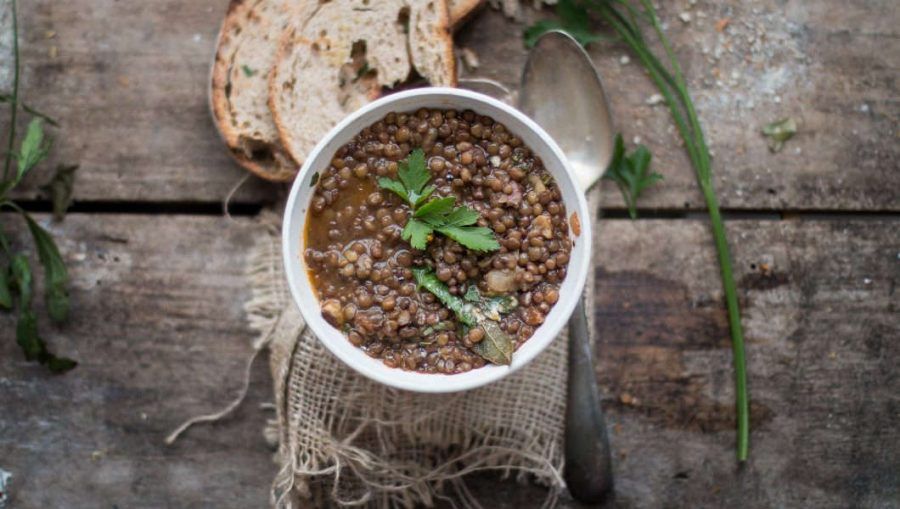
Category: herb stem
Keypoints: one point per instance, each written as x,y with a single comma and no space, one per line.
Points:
691,132
14,102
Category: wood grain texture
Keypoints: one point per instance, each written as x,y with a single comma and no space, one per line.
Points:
129,83
833,69
158,326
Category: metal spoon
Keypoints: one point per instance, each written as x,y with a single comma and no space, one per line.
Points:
562,92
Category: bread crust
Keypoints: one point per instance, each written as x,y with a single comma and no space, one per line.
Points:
286,45
271,169
461,10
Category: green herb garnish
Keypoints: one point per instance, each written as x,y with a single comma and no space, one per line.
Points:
435,215
626,18
16,281
248,72
631,173
472,311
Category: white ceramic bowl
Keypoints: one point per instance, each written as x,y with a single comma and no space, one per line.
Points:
409,101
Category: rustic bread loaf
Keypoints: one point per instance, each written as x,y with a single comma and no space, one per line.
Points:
343,55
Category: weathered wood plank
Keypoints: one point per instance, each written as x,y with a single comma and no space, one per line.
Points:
158,327
129,84
833,69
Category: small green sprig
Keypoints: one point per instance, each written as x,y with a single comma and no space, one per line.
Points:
631,172
439,215
16,280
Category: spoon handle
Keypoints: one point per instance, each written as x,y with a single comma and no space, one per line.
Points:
588,467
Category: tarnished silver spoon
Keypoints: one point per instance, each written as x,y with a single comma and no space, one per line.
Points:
562,92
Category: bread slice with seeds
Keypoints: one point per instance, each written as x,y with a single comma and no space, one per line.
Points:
342,57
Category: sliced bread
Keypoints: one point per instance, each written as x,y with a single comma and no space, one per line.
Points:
239,92
460,10
342,57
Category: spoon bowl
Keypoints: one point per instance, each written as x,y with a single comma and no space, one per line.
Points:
562,92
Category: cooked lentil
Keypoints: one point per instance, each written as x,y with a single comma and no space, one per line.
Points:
361,269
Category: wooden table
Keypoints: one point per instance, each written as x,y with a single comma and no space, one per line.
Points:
157,286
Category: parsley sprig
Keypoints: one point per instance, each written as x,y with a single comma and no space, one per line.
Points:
439,215
631,172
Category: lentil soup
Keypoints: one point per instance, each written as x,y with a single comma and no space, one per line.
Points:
489,228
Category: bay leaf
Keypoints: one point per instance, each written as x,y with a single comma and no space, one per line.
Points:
496,346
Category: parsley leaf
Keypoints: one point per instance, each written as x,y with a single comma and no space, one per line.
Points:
414,173
461,216
248,72
436,214
417,233
476,238
631,173
393,185
435,210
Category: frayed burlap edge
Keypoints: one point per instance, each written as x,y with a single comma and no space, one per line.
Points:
345,441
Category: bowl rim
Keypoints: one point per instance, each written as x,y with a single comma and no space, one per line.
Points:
297,276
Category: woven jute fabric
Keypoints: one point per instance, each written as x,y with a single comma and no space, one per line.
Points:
344,440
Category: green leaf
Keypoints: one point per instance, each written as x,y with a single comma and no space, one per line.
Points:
426,279
779,132
55,274
419,198
27,336
393,185
631,173
33,149
248,72
496,346
462,216
21,275
5,291
34,347
416,233
434,211
476,238
413,172
61,188
472,294
60,365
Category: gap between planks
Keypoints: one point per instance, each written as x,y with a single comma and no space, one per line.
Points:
251,209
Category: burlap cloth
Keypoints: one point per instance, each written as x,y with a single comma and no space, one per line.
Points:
344,440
